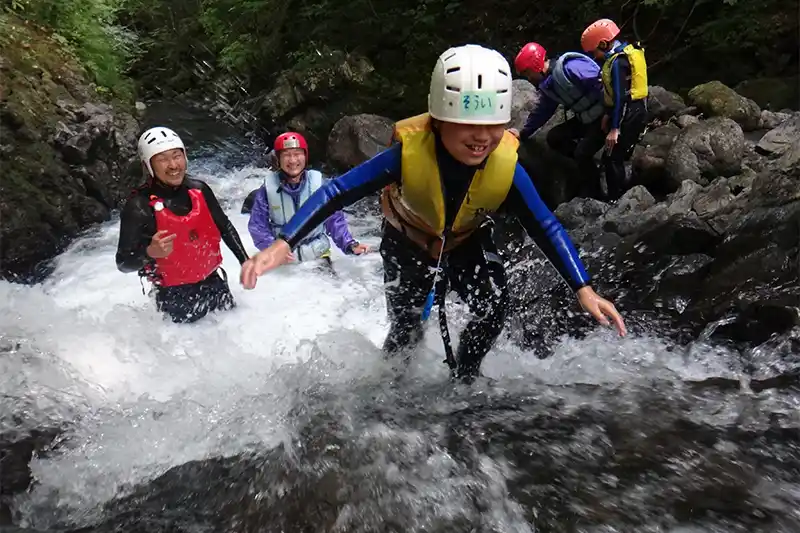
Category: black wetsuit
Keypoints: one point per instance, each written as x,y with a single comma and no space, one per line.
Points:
184,303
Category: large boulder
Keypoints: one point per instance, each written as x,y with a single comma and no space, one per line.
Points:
648,165
780,139
663,104
356,138
704,151
524,98
715,99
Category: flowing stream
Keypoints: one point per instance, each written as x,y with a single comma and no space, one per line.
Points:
282,415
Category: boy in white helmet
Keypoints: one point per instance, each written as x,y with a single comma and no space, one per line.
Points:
449,169
170,232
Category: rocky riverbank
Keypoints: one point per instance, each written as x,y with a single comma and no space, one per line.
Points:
67,152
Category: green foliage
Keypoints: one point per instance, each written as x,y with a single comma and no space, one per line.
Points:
89,29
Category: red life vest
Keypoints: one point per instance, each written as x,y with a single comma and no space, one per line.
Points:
195,251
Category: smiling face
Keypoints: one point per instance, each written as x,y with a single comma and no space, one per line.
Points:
292,161
170,166
470,143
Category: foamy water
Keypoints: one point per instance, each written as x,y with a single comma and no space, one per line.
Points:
143,395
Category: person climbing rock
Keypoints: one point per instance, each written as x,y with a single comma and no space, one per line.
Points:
170,232
624,77
448,171
282,194
572,80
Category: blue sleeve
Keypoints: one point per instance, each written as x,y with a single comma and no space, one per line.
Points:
367,178
616,85
259,226
545,229
541,113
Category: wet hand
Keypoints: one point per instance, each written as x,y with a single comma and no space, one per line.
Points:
161,244
611,139
359,249
277,254
601,309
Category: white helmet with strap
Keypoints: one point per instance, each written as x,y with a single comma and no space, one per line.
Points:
157,140
471,84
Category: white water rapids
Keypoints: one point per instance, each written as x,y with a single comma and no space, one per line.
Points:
142,395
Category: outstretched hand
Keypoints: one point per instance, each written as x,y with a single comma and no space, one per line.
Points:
277,254
601,309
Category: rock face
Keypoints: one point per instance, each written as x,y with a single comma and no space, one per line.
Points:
356,138
67,158
704,151
305,99
720,257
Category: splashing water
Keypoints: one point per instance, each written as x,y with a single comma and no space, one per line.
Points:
290,388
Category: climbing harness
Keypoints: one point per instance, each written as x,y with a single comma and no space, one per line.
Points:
438,297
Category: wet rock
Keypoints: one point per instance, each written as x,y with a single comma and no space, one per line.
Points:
635,200
775,187
356,138
770,119
649,157
741,183
790,158
704,151
685,121
780,139
663,104
711,200
580,212
523,101
681,202
16,451
633,223
716,99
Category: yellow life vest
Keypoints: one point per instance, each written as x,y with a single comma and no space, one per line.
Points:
416,206
635,55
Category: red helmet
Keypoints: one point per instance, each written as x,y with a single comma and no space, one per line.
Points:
290,139
531,57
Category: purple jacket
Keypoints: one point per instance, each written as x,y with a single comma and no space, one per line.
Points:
582,71
261,230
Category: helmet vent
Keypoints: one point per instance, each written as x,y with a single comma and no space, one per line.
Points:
480,81
453,69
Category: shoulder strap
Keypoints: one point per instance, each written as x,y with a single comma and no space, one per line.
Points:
314,179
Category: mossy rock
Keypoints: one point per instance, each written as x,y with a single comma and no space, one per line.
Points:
715,99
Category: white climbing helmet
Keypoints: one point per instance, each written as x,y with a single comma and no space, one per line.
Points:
471,84
157,140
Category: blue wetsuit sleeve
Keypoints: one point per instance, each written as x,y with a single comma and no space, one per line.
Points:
545,229
367,178
619,96
540,114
